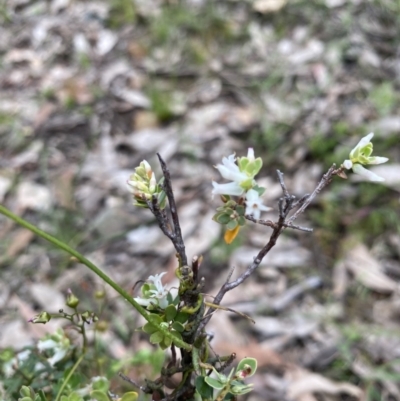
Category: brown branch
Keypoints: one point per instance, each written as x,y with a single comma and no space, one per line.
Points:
177,239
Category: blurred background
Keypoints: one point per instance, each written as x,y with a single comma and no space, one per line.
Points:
88,89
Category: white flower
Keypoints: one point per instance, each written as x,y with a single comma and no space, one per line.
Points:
361,155
254,204
160,292
240,180
230,188
156,295
59,348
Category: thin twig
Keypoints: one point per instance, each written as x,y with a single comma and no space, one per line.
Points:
271,224
129,380
326,179
178,240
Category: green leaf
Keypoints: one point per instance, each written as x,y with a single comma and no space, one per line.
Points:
214,383
243,162
240,210
203,388
170,299
130,396
223,218
42,395
76,397
149,328
260,190
241,389
156,337
25,399
25,391
182,317
242,221
178,327
99,395
162,200
101,383
249,365
170,313
178,336
165,343
232,225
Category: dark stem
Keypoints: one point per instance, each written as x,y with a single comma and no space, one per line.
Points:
177,240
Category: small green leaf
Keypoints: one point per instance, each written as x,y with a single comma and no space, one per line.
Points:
249,365
101,383
177,335
99,395
203,388
240,210
25,399
242,221
178,327
156,337
170,313
182,317
214,383
222,218
232,225
260,190
241,389
25,391
149,328
165,343
130,396
76,397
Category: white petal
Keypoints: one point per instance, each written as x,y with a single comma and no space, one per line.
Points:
147,166
46,344
252,196
229,162
250,154
231,188
377,160
59,354
264,208
254,212
348,164
363,142
360,170
163,302
231,174
144,301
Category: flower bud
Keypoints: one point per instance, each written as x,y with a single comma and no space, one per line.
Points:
42,317
72,300
89,317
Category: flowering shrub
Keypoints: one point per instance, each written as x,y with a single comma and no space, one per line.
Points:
177,320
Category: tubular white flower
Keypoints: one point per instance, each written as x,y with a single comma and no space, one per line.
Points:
230,188
360,170
361,144
361,155
241,174
230,170
160,292
254,205
156,295
59,349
